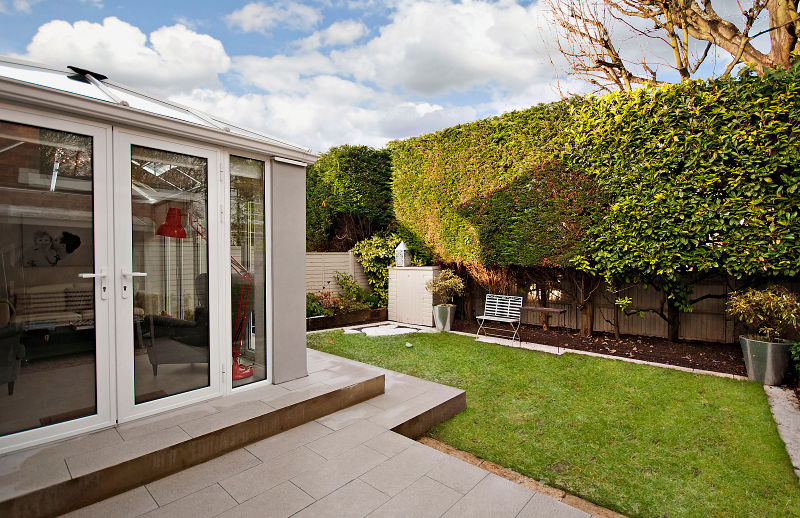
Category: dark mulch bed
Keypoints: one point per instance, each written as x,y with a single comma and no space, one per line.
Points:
710,356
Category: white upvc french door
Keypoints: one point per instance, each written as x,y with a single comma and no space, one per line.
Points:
170,267
55,236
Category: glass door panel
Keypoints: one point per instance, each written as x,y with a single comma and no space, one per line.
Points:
48,356
248,271
170,284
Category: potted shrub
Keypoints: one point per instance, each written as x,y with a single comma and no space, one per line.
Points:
444,287
773,314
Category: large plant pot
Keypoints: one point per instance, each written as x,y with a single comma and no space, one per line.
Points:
443,316
766,362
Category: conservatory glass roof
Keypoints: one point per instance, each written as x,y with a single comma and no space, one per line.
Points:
90,84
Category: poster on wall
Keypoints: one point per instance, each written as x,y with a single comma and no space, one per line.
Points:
47,246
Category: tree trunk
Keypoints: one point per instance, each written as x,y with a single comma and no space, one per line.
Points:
543,301
673,321
616,322
468,294
587,318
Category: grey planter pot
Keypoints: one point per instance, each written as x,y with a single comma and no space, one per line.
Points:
443,316
766,362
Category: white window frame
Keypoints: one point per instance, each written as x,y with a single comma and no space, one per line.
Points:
103,256
228,375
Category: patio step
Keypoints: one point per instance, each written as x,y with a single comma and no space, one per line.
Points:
110,462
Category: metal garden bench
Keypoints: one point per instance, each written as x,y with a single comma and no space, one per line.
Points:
501,308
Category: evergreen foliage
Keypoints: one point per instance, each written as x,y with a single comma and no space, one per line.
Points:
700,177
348,197
493,192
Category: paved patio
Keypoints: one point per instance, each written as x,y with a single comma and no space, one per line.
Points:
344,464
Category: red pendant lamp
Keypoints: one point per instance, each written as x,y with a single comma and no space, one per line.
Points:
172,225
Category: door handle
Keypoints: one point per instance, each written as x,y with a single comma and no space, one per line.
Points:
103,276
126,273
126,287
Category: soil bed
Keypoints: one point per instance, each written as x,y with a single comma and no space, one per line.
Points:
711,356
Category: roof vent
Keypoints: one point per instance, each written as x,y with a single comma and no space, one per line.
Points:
83,72
94,78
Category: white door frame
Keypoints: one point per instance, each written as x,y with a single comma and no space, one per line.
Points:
226,352
103,256
122,142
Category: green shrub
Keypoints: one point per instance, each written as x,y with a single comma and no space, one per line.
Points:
446,285
772,313
376,254
493,192
348,197
314,307
700,177
349,286
795,352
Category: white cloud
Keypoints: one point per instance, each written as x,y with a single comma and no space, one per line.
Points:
260,17
172,59
431,48
339,33
324,117
281,73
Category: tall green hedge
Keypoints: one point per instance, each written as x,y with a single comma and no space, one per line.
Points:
700,177
347,197
694,177
494,192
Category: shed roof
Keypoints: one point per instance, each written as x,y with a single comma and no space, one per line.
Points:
95,86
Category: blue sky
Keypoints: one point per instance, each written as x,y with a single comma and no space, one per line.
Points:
316,72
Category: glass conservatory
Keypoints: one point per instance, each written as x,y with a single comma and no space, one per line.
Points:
151,256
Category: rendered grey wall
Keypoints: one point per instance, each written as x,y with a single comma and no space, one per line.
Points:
288,272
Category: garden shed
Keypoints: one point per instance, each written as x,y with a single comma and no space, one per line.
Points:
151,256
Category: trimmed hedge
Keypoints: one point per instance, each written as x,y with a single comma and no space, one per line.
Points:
700,176
347,197
648,185
493,192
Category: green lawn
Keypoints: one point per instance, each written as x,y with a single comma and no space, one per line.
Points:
640,440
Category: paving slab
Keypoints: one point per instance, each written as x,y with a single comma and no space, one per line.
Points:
206,503
402,470
389,443
247,484
279,502
287,441
126,505
541,506
338,471
493,496
457,474
224,418
100,458
188,481
348,437
425,498
354,500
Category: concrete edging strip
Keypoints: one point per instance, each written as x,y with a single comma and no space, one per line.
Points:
786,412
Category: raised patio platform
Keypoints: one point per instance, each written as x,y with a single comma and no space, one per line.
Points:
61,477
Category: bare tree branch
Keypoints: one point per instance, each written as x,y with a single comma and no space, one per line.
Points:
591,47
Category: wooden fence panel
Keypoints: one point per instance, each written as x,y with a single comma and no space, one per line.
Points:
321,267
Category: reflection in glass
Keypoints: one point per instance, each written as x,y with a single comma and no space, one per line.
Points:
169,194
248,271
47,332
